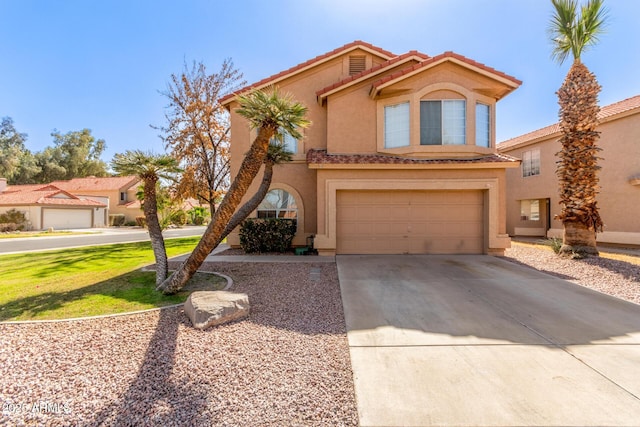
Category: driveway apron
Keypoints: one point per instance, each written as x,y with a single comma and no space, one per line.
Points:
472,340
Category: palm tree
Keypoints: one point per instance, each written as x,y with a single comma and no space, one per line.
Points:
572,33
150,168
269,113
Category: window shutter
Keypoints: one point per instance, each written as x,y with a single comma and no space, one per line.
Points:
357,64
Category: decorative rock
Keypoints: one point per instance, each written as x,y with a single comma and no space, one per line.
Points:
212,308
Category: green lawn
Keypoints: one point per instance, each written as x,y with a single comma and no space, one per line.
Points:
89,281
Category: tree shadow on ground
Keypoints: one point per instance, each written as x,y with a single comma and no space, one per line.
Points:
154,398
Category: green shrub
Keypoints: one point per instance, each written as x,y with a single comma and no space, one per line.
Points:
13,220
179,218
198,215
8,227
116,220
267,235
554,243
141,221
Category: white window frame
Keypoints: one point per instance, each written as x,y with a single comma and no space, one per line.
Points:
531,163
483,133
530,210
397,125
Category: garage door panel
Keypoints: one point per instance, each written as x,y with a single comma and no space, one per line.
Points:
410,222
66,218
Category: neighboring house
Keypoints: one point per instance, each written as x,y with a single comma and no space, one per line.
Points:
119,190
68,204
532,190
400,156
47,206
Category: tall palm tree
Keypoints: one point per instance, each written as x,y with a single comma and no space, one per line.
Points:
150,168
572,33
270,113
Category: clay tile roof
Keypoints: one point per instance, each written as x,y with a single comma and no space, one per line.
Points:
322,157
606,113
438,58
390,62
44,196
318,59
97,183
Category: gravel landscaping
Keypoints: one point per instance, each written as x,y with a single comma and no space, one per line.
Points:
287,365
620,279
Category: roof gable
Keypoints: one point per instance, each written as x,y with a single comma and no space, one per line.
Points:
412,55
314,62
510,83
610,112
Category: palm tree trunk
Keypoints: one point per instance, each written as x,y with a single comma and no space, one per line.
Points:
211,237
155,230
578,165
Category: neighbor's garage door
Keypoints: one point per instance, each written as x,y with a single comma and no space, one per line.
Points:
66,218
415,222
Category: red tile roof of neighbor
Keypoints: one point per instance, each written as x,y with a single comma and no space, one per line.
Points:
92,183
322,157
44,196
318,59
606,113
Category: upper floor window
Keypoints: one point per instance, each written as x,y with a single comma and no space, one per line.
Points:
443,122
531,163
288,142
278,203
483,125
396,125
123,196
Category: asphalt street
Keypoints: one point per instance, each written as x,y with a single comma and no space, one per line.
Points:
96,237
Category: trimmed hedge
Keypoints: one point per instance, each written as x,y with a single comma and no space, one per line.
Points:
116,220
267,235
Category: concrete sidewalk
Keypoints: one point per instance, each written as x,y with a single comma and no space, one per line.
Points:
479,341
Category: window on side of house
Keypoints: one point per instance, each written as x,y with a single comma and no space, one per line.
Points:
443,122
531,163
278,203
123,196
530,210
288,142
396,125
483,125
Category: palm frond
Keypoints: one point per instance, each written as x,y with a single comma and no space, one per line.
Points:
570,32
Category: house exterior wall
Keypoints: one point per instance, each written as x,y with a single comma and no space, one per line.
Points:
32,214
349,121
295,176
618,200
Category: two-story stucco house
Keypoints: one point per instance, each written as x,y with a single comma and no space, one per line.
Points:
532,193
400,157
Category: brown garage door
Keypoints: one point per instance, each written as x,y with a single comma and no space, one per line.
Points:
414,222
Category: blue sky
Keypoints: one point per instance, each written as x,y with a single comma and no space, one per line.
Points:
69,65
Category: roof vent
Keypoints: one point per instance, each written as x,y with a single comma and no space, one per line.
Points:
357,64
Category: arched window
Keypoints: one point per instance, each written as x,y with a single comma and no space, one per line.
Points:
278,203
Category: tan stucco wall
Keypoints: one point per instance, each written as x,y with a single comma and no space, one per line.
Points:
355,121
32,214
619,200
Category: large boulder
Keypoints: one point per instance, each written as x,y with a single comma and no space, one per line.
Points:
212,308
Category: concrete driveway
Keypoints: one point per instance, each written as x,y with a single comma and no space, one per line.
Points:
479,341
